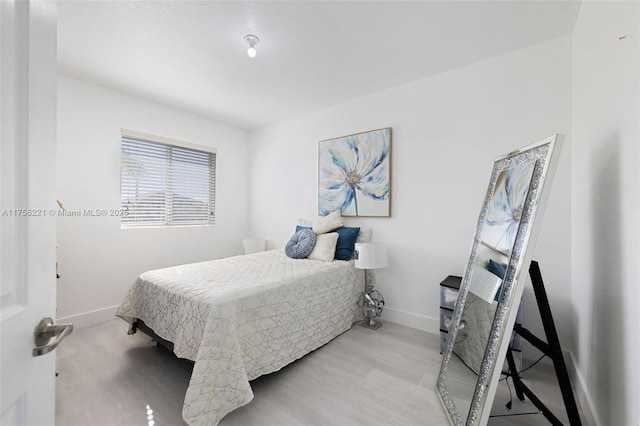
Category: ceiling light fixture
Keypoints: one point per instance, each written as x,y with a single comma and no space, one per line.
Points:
252,41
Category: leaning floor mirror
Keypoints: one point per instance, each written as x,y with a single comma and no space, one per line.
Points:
494,280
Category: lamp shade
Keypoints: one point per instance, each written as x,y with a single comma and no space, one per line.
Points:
370,256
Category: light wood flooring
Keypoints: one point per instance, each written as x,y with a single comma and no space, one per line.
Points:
363,377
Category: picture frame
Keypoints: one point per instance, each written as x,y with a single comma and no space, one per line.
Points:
354,174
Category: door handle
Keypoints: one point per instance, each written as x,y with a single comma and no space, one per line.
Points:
44,331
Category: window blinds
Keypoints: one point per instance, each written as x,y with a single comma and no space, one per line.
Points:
164,185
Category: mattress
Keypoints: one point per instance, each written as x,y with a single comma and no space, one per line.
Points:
241,317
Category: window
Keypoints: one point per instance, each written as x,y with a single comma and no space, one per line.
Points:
166,183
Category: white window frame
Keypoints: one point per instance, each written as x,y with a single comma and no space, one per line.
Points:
167,215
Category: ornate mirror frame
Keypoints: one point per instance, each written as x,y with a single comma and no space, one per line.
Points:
543,156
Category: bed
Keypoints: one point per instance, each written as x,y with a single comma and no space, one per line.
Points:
242,317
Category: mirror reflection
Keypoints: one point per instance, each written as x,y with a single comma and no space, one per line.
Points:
475,325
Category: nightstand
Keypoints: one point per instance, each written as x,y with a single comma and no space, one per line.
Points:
449,289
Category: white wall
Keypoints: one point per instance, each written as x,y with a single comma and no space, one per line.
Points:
606,206
98,261
446,131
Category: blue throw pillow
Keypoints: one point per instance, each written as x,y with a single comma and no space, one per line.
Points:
301,244
298,227
496,268
346,241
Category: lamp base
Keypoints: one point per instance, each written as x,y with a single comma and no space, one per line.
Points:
371,323
372,303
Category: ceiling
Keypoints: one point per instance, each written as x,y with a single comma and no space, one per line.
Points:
312,54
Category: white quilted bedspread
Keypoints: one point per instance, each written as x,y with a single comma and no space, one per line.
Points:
242,317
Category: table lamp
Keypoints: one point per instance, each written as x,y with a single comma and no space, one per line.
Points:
370,256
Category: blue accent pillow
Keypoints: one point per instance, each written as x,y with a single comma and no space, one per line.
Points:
346,241
497,269
298,227
301,244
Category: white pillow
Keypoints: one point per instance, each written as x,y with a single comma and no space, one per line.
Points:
325,247
364,236
305,222
327,223
484,284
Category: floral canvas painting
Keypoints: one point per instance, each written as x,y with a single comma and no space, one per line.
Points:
505,208
354,174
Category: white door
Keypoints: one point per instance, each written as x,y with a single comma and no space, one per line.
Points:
28,230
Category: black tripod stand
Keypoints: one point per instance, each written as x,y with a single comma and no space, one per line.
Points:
552,349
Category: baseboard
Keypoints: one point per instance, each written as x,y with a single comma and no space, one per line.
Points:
583,398
420,322
90,318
